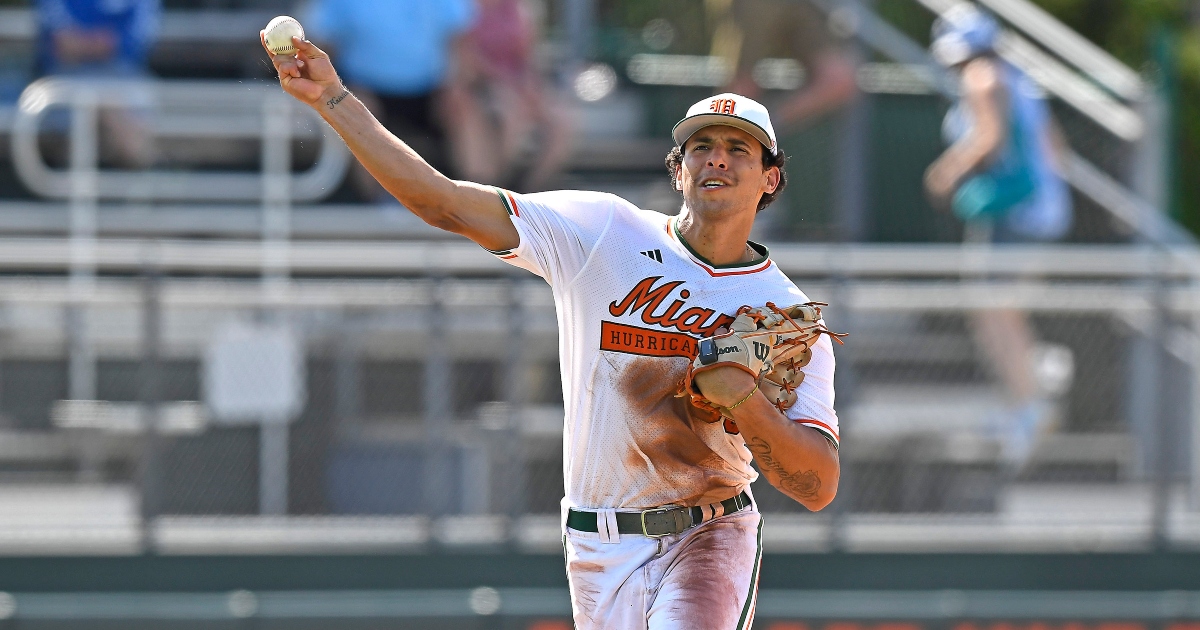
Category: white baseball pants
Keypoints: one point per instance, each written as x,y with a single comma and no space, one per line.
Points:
704,578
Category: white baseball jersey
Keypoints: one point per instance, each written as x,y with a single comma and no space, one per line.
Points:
632,300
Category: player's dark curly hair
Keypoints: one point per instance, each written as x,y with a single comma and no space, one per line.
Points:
675,162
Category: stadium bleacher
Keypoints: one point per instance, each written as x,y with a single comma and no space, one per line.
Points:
358,286
127,501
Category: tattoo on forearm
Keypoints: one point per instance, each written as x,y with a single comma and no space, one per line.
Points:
803,484
338,99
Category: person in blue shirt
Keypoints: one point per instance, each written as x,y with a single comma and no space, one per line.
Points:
1001,175
1001,169
396,55
103,39
96,37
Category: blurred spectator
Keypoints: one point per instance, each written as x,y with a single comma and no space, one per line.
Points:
96,37
396,55
103,39
1001,176
754,36
787,29
498,98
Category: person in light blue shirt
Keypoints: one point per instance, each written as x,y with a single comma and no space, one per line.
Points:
1001,176
1002,167
396,55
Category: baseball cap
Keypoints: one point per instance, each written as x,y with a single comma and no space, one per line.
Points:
732,110
961,33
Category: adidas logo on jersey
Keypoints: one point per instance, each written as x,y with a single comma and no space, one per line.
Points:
652,254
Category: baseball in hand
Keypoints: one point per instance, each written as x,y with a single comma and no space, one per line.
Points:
279,34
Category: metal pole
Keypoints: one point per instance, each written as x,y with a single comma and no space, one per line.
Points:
851,226
276,230
515,387
1163,450
273,467
82,281
1141,405
1150,169
1147,418
81,359
1194,451
150,393
277,198
841,319
437,407
347,393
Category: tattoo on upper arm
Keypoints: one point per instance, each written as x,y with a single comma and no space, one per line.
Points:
805,484
338,99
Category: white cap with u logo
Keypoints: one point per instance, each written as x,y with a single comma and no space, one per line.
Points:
732,110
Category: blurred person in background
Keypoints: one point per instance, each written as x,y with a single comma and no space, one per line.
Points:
754,30
103,39
398,57
1002,176
753,37
498,99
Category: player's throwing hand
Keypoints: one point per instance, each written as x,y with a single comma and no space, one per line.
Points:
308,75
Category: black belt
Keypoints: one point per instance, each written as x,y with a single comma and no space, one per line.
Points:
661,521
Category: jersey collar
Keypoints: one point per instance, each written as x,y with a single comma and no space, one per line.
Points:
732,269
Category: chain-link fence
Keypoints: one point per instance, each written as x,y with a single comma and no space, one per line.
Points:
186,405
1043,400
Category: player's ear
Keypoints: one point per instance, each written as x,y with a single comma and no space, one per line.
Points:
679,176
770,179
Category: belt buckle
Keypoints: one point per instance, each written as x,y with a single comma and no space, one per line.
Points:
679,526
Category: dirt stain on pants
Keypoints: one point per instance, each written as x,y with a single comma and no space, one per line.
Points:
704,578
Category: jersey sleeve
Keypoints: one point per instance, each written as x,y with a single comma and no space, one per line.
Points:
814,396
558,230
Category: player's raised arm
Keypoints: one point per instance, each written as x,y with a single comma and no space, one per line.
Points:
465,208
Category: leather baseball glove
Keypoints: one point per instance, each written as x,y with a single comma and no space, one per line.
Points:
772,344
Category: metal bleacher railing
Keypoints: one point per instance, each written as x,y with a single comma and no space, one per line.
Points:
919,476
117,449
195,110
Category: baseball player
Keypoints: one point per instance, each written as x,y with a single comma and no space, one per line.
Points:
660,528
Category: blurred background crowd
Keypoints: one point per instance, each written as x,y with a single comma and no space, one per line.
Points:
515,81
214,325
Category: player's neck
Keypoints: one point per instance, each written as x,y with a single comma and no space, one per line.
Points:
720,242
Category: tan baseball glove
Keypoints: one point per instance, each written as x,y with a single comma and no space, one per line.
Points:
772,344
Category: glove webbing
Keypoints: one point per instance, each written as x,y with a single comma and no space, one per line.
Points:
789,364
820,328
